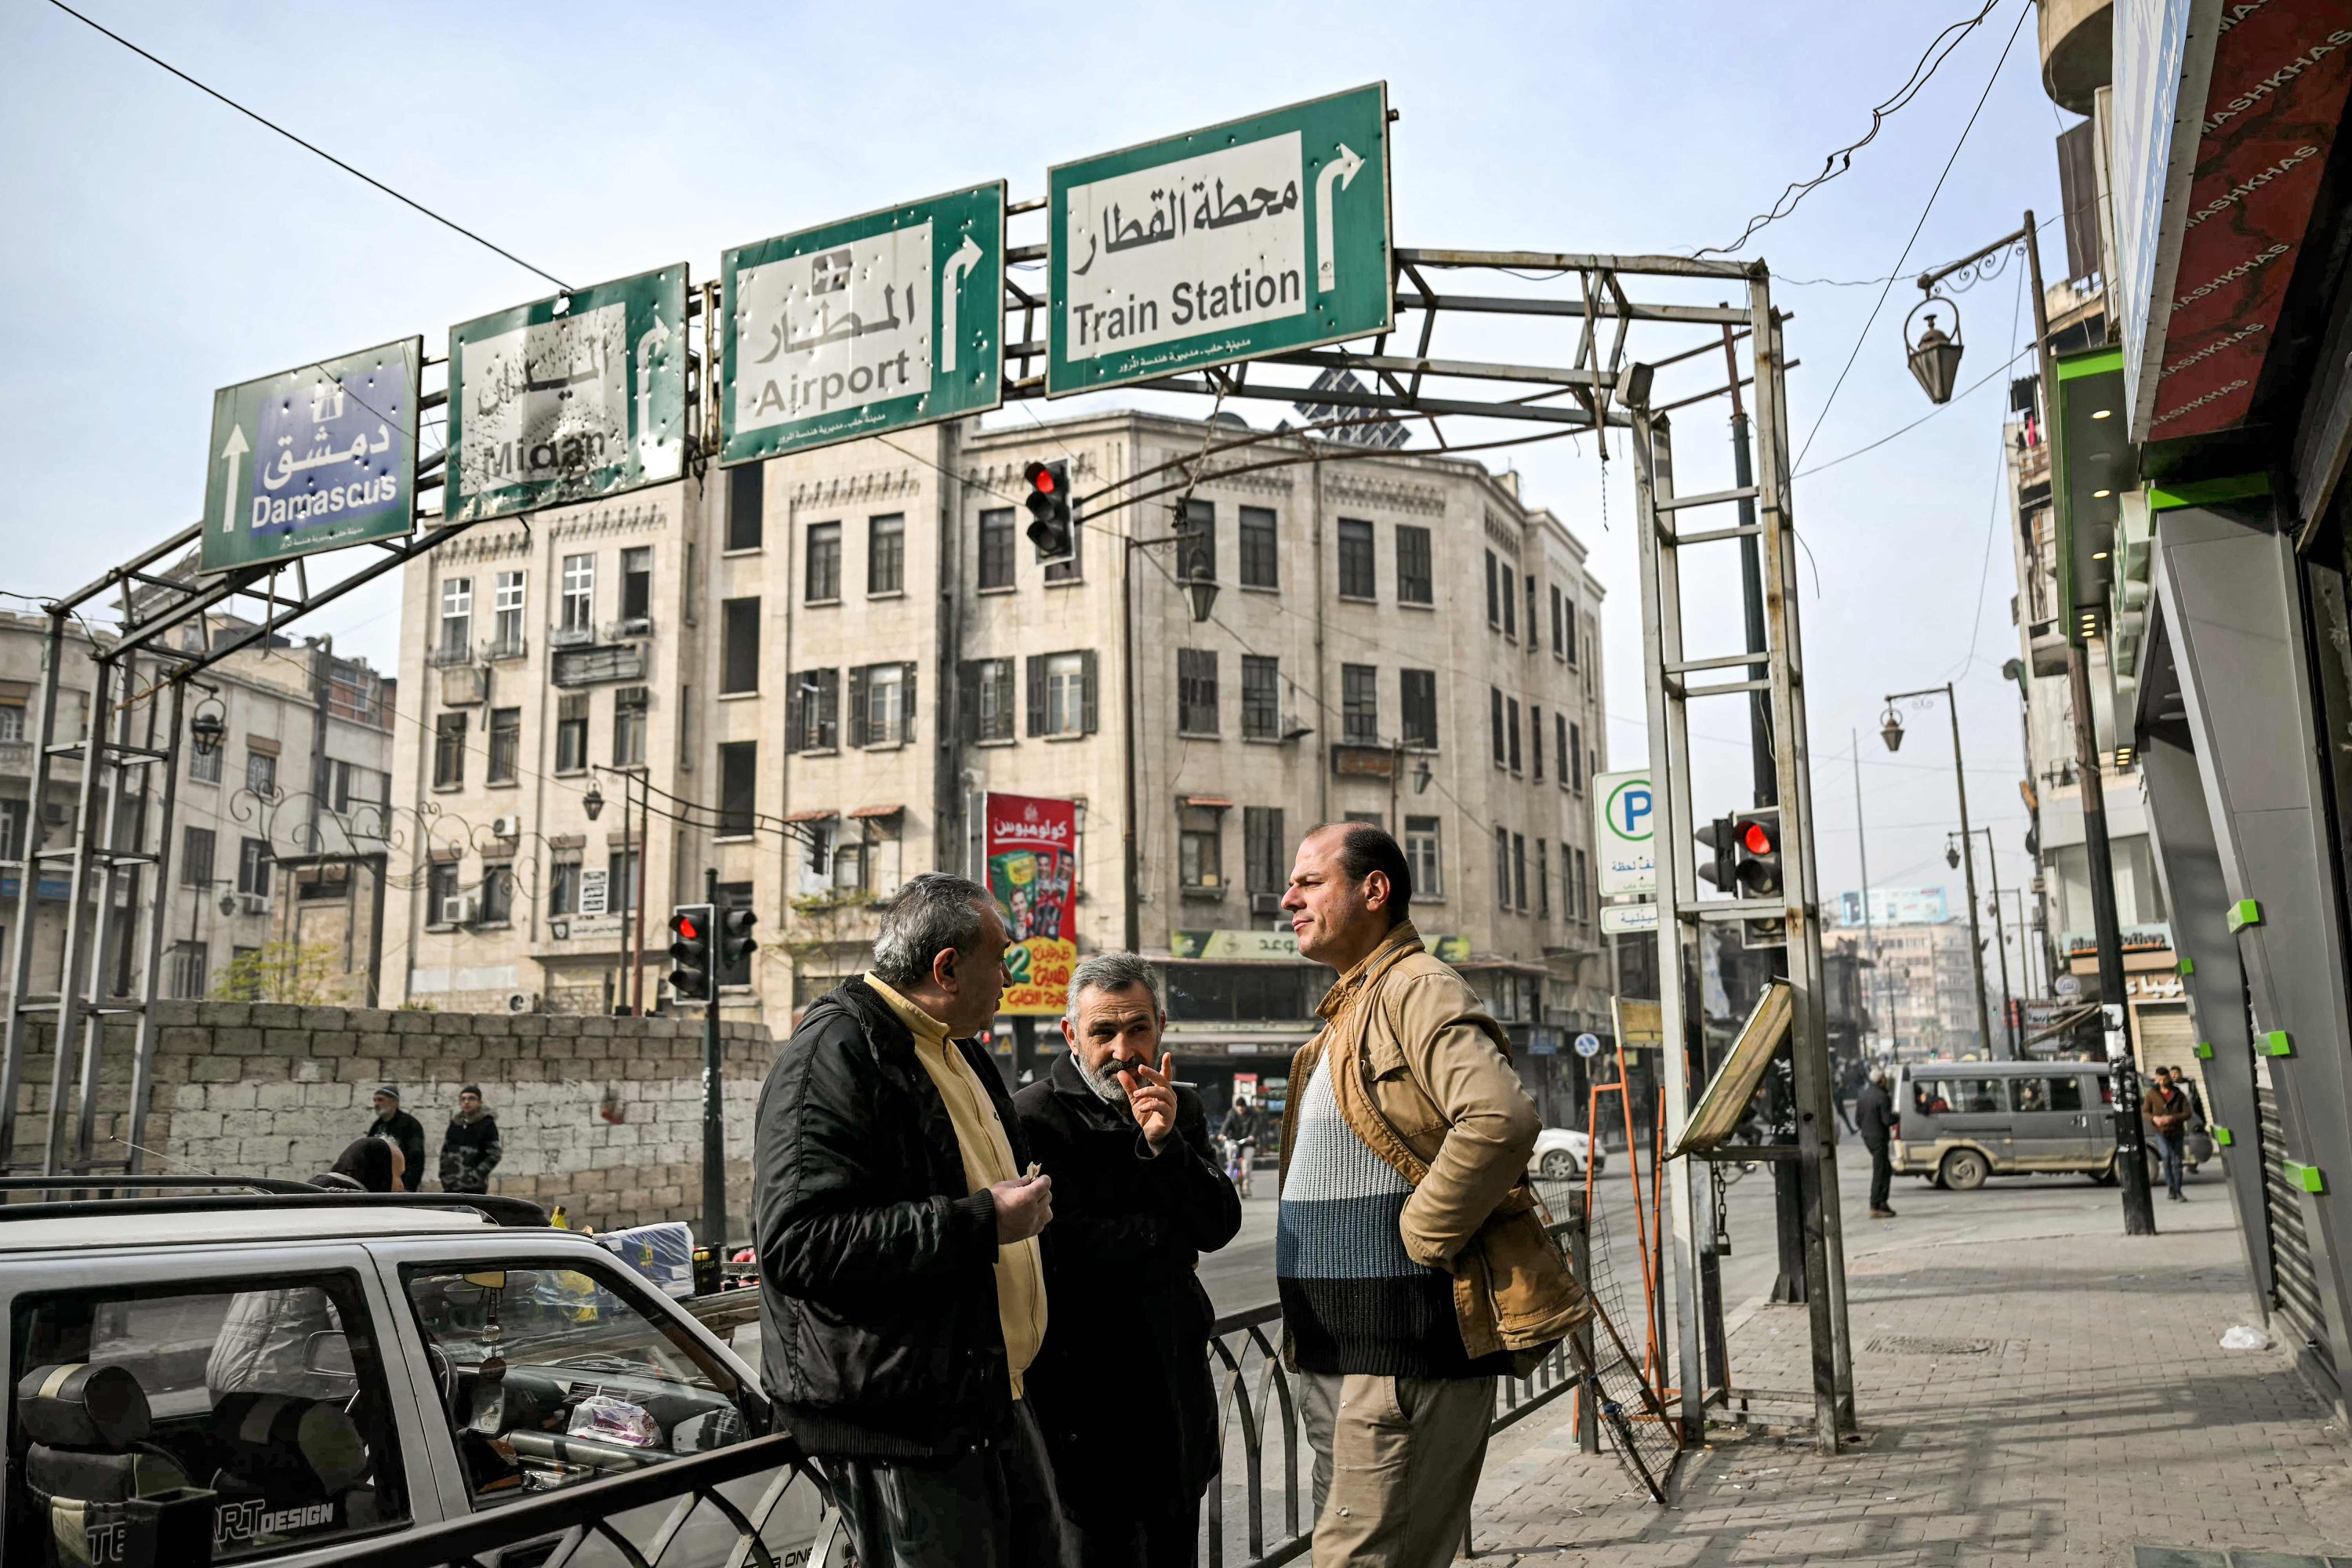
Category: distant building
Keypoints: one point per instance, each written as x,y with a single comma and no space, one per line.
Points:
1895,905
1921,994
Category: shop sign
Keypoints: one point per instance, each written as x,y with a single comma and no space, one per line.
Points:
1033,872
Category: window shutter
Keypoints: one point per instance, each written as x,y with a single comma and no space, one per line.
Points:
796,715
1087,727
907,705
853,722
967,701
1034,668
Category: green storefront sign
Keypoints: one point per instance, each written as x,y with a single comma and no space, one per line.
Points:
1248,238
312,459
869,324
568,398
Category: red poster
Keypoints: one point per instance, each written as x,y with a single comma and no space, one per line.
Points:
1032,870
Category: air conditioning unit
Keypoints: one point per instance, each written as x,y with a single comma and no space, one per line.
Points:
506,828
253,903
459,909
1266,903
522,1002
1295,728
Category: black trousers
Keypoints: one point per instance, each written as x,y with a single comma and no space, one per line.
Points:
1881,1174
992,1508
1153,1533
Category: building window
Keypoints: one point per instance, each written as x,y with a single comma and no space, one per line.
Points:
497,893
456,617
1495,726
579,595
1359,574
636,585
505,615
1568,619
1575,754
885,554
261,775
1414,582
1359,704
1493,604
184,974
747,506
1535,738
629,704
1417,707
821,582
1261,564
1196,691
563,883
253,866
12,722
1510,604
1543,878
1262,849
986,700
882,704
1503,868
572,732
1196,558
620,880
1200,834
739,787
738,647
1558,625
1511,728
996,549
1261,698
506,744
813,712
15,817
197,857
1060,690
1520,871
448,751
1420,854
204,767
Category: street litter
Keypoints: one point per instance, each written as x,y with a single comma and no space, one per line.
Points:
2240,1337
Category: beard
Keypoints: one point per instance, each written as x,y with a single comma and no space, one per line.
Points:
1105,1085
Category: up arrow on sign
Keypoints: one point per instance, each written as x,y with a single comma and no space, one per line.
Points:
1341,169
234,453
966,258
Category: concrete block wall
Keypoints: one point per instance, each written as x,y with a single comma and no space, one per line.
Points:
602,1115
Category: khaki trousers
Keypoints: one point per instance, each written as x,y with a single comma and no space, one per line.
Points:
1396,1465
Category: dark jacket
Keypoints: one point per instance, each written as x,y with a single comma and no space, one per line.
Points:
409,1133
1121,1386
1246,1125
1873,1116
469,1153
879,1336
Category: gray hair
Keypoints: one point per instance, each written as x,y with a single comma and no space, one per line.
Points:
1112,972
932,913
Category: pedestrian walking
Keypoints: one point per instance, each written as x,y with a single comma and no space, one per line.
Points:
1244,1130
1410,1250
1138,1195
469,1148
405,1130
1874,1119
897,1215
2166,1109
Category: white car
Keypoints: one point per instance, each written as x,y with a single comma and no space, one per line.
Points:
1562,1153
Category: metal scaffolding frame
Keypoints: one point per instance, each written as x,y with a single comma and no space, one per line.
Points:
1621,353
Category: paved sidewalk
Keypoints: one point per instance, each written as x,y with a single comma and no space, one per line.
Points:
2086,1409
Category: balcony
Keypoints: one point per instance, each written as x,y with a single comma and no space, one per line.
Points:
506,648
2047,641
570,636
444,655
16,758
629,628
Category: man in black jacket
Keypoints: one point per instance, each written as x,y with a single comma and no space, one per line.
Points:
391,1121
902,1297
1873,1117
1122,1385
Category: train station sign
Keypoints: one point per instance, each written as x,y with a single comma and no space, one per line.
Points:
870,324
1243,239
312,459
568,398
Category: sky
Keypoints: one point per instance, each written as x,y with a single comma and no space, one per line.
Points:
163,245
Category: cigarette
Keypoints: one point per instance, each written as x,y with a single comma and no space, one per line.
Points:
1031,1174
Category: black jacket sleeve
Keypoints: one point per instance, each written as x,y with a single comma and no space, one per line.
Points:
830,1225
1207,1208
1200,1212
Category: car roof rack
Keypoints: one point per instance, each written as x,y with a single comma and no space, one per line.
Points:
79,1180
497,1209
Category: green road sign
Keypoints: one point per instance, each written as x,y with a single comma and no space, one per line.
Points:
872,323
313,459
568,398
1248,238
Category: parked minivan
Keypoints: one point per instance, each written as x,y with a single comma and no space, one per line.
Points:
1963,1122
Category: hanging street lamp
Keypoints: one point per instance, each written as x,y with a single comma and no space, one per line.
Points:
1935,358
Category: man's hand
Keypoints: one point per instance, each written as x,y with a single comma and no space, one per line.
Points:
1151,1095
1022,1207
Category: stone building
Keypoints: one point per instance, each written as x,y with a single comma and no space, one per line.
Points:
806,674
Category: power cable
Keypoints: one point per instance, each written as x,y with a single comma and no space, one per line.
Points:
311,147
1938,50
1881,304
1904,430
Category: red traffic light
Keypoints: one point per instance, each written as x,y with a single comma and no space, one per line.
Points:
1756,838
684,925
1042,480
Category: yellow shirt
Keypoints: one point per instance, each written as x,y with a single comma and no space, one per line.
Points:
987,1160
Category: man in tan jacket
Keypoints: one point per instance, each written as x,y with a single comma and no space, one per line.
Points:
1410,1251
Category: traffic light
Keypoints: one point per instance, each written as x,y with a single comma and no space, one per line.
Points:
1050,528
736,946
1721,839
1758,834
690,953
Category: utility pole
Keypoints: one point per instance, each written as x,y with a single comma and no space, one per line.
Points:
1862,844
1894,732
2001,946
714,1086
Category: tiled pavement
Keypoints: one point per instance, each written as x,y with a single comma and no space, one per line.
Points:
2101,1416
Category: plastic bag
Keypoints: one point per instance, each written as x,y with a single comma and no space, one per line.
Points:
2241,1337
610,1420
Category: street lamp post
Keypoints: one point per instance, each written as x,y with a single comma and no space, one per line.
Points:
1893,732
2000,947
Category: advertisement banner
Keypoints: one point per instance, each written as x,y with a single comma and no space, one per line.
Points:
1033,872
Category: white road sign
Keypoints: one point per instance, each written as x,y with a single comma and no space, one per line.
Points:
1623,828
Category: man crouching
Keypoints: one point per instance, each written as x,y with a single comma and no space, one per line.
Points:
1121,1385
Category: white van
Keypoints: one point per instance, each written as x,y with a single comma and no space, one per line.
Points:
1961,1123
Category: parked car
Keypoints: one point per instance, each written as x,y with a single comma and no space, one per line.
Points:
298,1375
1961,1122
1562,1153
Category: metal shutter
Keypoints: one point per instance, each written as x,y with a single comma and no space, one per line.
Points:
2296,1287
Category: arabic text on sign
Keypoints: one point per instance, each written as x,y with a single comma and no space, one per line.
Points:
833,329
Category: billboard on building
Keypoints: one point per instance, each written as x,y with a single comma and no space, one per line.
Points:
1031,846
